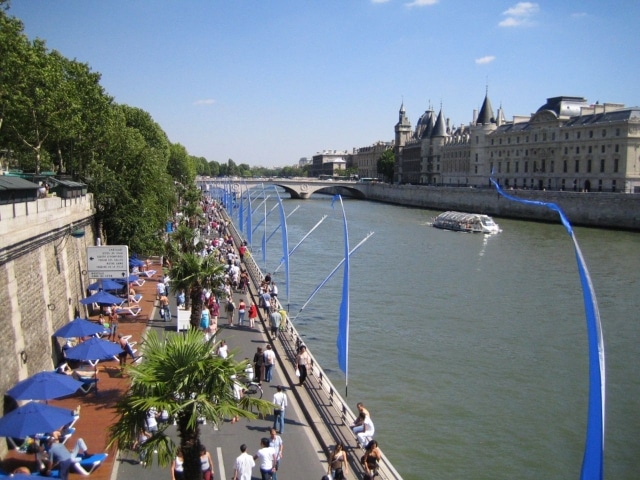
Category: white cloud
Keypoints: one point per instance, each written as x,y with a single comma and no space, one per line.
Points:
206,101
485,60
578,15
379,1
520,15
421,3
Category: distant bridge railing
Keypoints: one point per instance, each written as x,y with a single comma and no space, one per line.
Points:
300,188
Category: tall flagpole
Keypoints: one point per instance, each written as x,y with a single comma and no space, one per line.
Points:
593,458
285,244
342,342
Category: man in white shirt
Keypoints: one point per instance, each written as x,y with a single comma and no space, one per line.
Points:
267,456
269,362
280,401
244,465
367,433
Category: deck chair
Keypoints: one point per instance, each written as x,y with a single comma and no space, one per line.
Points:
147,273
88,465
139,282
133,311
135,298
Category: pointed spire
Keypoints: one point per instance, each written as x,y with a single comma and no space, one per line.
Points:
439,129
485,117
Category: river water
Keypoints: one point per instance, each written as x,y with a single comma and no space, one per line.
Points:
469,351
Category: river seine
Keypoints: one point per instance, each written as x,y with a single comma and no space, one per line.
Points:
469,351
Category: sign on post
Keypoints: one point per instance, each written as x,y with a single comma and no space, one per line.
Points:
184,320
110,261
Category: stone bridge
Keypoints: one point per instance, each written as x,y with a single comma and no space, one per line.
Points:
297,188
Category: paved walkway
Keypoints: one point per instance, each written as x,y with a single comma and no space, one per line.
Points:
303,456
97,410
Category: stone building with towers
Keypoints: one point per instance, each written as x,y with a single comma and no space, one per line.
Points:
567,144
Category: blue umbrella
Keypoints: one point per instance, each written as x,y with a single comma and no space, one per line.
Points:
44,386
103,298
79,328
107,284
33,418
134,262
93,349
129,279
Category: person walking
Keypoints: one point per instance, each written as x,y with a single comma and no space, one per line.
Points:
269,363
258,363
206,464
281,402
244,465
303,361
242,308
230,308
275,442
267,457
253,314
177,466
338,463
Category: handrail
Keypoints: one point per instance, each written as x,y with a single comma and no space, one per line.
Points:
338,417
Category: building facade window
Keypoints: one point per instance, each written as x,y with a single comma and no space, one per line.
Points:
616,164
577,169
602,165
589,166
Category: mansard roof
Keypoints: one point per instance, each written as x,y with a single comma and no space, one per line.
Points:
565,106
606,117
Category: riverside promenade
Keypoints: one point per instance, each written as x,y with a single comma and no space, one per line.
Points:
316,417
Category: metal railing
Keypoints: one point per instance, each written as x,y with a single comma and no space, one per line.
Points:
333,411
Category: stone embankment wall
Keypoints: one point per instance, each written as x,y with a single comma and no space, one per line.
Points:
42,259
602,210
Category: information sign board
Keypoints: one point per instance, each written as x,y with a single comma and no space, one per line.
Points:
111,261
184,320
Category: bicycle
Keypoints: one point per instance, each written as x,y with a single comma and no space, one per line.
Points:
253,388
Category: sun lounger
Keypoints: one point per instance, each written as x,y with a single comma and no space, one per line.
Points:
147,273
135,298
87,465
84,466
133,311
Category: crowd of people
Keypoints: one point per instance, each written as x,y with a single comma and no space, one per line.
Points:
242,311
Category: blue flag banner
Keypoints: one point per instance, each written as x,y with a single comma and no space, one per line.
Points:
249,232
241,212
322,284
300,242
285,242
342,341
593,458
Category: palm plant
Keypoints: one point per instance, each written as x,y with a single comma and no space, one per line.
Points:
193,273
182,376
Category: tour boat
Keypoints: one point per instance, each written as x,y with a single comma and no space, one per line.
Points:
466,222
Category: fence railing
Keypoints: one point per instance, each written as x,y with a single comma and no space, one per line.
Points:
328,403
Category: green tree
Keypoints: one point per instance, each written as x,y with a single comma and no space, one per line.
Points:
181,165
386,164
193,273
182,376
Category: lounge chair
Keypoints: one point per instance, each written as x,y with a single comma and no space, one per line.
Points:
135,298
133,311
147,273
138,282
87,465
84,466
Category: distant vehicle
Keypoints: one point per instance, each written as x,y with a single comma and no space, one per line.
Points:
466,222
367,180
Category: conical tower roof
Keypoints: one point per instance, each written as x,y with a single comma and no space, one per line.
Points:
440,128
485,117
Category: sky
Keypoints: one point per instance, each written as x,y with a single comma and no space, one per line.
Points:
267,82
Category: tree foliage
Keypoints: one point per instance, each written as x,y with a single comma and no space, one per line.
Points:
386,164
181,375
